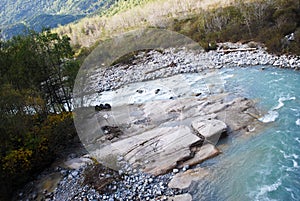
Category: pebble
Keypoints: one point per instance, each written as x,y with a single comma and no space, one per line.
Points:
134,185
185,168
175,171
74,173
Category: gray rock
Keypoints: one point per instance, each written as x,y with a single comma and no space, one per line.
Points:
183,197
205,152
162,147
185,168
77,163
74,173
210,129
184,179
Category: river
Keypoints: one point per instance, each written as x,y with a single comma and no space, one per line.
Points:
264,166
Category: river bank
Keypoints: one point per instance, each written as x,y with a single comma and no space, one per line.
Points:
158,64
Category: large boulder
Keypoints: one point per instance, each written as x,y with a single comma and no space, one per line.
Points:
160,135
239,114
210,129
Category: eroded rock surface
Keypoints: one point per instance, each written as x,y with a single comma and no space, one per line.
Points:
202,153
161,135
77,163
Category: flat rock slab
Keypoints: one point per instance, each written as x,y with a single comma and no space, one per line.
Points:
205,152
184,179
182,197
160,135
211,129
156,151
239,114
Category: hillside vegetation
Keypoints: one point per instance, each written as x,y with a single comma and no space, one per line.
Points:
121,6
143,13
207,22
273,23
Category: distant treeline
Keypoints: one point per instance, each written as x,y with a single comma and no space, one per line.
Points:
36,79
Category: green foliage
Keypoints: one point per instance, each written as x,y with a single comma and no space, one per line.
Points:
17,161
52,129
41,62
36,78
26,151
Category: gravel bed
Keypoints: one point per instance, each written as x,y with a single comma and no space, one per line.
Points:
156,64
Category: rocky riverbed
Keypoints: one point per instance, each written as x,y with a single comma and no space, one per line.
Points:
152,148
156,64
154,158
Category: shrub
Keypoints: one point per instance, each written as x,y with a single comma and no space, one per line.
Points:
17,161
29,151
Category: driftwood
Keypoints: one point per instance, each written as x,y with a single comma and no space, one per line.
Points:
237,50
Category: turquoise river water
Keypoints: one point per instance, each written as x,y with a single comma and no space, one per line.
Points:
265,165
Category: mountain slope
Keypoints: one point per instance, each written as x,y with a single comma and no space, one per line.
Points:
128,14
16,14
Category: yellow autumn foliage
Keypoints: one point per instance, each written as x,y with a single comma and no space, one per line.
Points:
17,161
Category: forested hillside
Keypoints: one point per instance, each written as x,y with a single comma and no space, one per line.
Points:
16,15
205,21
130,14
276,24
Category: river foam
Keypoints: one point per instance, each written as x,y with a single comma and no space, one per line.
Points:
265,189
272,114
281,101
